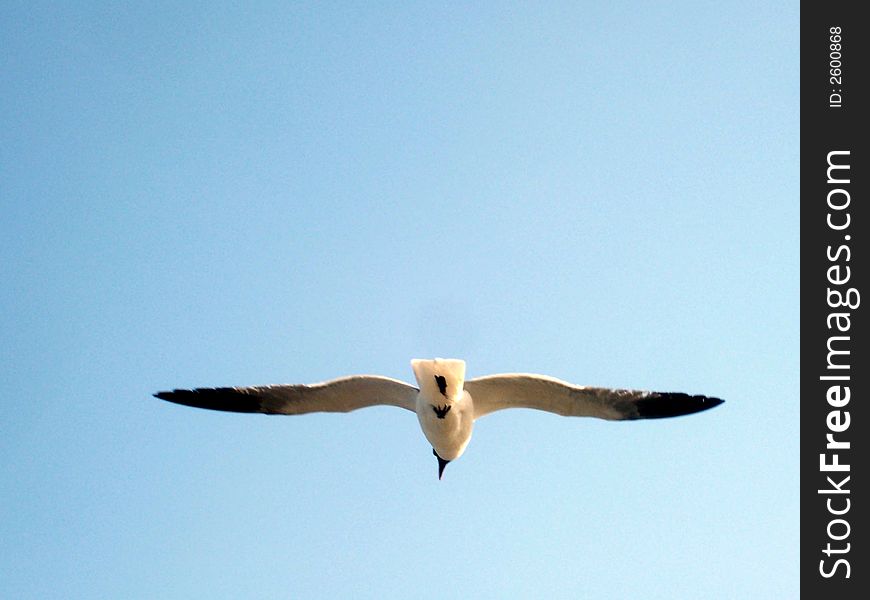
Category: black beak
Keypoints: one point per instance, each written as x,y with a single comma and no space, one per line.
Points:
441,463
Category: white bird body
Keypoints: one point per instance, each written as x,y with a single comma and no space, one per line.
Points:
445,410
445,403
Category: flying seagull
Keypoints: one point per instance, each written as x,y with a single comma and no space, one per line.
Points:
446,405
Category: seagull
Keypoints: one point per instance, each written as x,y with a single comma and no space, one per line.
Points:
445,404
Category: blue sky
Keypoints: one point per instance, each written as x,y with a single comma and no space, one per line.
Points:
213,194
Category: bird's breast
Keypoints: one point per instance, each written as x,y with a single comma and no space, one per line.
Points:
446,423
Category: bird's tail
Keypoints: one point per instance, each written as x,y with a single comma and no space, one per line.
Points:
440,376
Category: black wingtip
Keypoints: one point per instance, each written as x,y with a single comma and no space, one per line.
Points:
224,399
662,405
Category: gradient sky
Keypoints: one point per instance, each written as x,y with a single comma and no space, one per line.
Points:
206,194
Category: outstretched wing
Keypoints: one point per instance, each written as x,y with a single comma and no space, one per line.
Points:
515,390
338,395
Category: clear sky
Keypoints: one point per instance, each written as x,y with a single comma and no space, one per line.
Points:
208,194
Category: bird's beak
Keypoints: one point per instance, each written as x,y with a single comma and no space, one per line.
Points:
441,464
